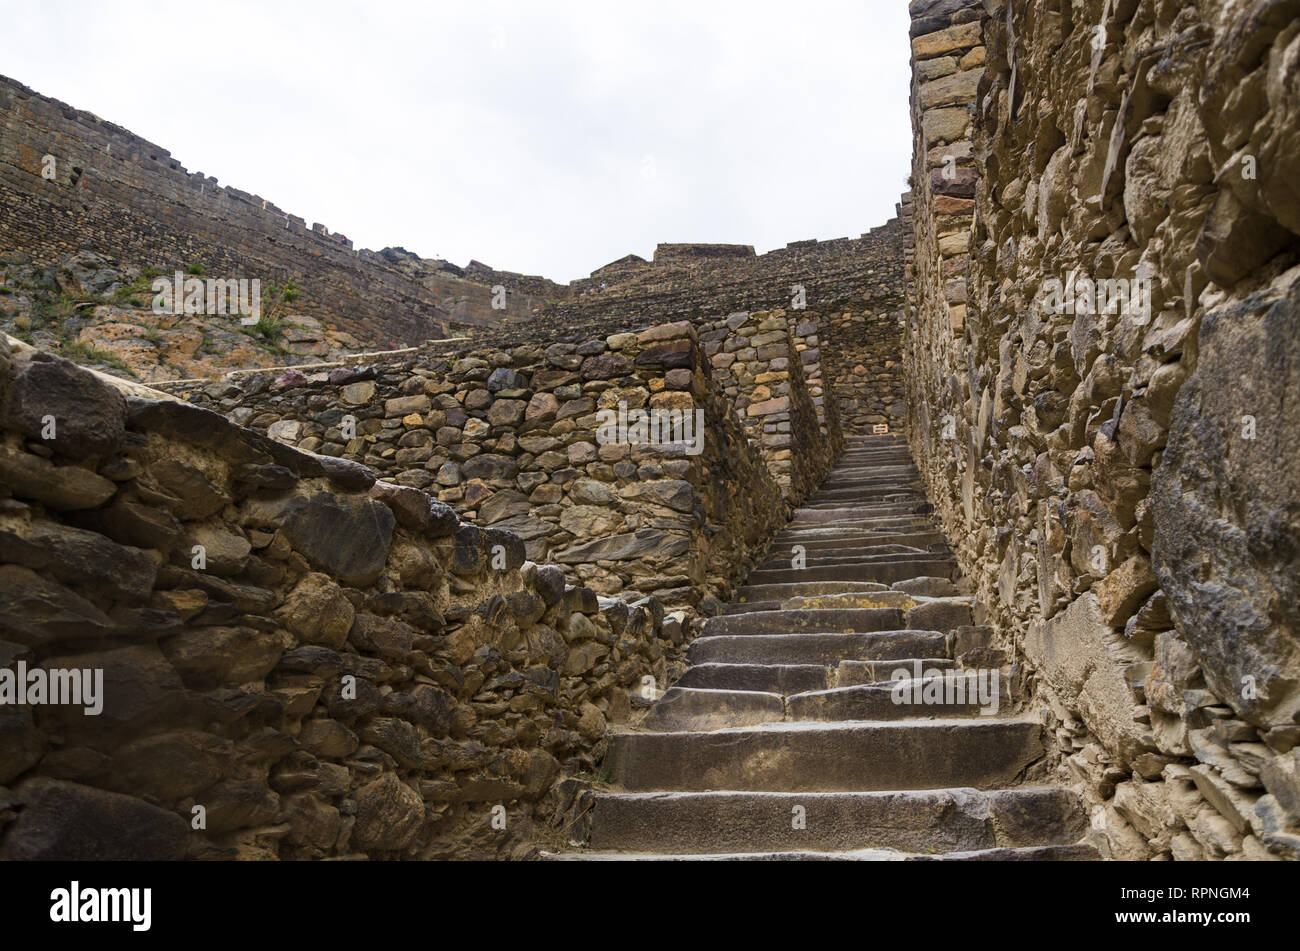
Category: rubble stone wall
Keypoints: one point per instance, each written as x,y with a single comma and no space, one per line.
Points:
511,438
297,660
772,380
865,358
1120,481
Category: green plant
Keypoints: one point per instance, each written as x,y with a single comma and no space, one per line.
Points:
76,350
268,328
194,268
275,300
128,293
55,309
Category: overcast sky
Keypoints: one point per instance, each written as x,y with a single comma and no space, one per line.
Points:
543,137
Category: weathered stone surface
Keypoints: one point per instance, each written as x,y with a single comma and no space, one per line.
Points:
86,559
623,547
213,656
64,821
21,743
1072,650
88,414
1226,528
345,538
63,488
317,611
389,814
35,611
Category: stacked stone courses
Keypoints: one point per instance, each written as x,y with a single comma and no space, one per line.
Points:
364,609
1121,487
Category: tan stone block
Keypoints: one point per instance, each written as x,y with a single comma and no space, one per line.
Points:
957,89
944,125
960,37
956,243
947,205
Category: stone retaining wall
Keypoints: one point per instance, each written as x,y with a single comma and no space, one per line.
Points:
298,661
511,439
760,366
1121,486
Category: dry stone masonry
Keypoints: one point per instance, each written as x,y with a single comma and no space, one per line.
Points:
1036,435
787,738
513,439
298,660
1119,477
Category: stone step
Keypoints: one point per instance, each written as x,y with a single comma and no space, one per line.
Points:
880,570
894,525
690,708
1079,852
935,820
782,592
856,599
865,467
783,679
984,753
860,501
909,526
851,494
864,471
843,620
820,648
853,673
856,454
1045,853
870,477
870,466
831,540
848,556
876,701
816,517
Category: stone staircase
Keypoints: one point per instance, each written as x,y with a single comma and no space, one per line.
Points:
784,741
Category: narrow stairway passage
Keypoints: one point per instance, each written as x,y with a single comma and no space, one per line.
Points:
786,738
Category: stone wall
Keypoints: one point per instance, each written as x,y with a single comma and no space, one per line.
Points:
127,199
328,665
760,368
1121,485
708,282
865,358
511,439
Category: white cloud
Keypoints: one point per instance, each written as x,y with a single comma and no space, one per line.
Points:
514,133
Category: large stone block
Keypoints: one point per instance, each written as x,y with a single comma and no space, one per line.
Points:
68,822
346,538
1227,525
88,414
1073,651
